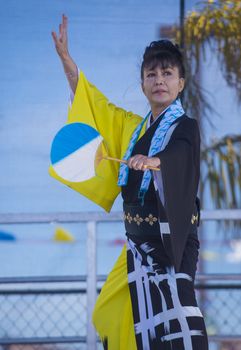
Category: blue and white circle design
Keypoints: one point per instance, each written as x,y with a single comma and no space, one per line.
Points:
73,152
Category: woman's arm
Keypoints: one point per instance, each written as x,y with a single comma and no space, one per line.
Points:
180,170
90,106
61,45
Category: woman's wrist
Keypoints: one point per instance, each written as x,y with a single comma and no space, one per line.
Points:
156,162
66,58
71,72
70,67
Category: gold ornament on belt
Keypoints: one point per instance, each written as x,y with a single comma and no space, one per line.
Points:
150,219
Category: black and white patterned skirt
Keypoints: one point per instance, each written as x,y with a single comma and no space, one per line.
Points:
165,311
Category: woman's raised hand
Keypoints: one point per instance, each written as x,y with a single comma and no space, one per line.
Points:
61,40
61,45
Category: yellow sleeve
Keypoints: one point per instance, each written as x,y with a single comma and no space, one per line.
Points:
90,106
115,125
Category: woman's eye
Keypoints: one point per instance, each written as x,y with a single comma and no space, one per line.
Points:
150,75
167,72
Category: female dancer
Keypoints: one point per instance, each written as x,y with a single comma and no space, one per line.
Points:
148,300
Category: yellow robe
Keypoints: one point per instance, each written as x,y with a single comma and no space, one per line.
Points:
112,316
116,126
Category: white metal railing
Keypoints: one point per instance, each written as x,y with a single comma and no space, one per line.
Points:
91,219
44,218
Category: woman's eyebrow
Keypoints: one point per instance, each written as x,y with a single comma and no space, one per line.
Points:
172,68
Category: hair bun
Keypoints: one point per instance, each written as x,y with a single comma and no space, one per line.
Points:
159,46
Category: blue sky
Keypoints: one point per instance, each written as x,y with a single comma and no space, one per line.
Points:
107,39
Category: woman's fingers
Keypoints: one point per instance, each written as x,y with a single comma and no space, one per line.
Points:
54,36
56,39
137,162
60,39
63,29
60,30
141,162
65,22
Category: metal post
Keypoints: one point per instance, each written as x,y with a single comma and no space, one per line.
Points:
182,13
91,283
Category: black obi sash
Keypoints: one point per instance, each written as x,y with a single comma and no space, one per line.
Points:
141,220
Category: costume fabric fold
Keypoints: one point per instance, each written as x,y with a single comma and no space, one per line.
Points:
180,175
90,106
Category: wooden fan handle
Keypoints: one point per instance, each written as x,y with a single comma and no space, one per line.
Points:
125,162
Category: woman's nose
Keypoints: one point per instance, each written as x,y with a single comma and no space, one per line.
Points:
159,79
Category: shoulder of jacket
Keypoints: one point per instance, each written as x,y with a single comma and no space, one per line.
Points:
188,129
187,123
185,120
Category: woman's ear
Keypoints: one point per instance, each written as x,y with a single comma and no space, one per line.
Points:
143,88
181,84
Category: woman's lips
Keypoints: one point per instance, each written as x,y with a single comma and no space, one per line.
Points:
159,91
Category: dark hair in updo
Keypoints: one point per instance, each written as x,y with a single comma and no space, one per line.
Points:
165,54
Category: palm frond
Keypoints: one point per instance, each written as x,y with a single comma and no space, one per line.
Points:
221,174
221,164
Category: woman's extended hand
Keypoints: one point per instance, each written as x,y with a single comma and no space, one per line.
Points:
140,162
61,45
61,41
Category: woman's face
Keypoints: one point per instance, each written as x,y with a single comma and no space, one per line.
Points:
161,86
